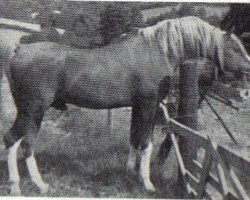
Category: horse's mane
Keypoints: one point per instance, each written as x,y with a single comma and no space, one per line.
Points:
175,37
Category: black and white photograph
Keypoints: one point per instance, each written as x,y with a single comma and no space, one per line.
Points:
124,99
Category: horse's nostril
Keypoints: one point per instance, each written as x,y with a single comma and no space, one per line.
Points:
247,93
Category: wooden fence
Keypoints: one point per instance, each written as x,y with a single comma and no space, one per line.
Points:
226,162
220,173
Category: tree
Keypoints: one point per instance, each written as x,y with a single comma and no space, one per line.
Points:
118,19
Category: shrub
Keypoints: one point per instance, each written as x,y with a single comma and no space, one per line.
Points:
118,19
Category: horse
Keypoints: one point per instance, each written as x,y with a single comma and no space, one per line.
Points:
237,20
135,71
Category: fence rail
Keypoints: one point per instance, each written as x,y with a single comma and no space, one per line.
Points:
23,26
219,172
225,181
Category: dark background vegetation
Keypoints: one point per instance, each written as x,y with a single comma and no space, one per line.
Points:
111,19
106,20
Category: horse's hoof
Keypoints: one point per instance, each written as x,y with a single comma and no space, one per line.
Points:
44,189
131,172
150,188
15,192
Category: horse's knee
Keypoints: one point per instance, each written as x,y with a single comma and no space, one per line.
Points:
24,127
145,141
141,140
27,144
135,140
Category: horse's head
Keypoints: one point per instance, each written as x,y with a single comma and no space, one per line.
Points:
235,55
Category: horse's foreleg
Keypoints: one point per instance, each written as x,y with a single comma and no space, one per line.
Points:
13,169
147,113
132,158
35,174
145,167
134,141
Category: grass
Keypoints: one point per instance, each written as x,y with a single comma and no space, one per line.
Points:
79,157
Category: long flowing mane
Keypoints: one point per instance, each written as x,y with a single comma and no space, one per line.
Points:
187,36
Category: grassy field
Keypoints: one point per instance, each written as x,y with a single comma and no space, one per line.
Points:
79,157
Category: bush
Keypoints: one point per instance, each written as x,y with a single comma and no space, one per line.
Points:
118,19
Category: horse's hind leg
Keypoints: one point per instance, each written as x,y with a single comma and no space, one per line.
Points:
13,169
35,174
23,133
28,147
12,141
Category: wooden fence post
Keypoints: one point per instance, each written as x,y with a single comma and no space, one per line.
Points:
188,109
1,86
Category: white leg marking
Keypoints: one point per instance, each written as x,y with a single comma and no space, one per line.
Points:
13,169
145,167
131,164
35,175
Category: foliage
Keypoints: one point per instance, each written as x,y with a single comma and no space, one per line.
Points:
21,9
117,19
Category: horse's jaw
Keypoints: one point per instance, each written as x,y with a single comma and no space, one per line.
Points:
243,66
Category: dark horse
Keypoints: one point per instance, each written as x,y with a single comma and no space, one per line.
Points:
135,72
237,21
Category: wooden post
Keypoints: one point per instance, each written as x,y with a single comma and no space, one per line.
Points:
188,109
3,63
1,86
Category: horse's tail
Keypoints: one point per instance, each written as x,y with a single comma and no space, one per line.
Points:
6,54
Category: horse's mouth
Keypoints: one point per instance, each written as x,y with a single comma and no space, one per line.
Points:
245,94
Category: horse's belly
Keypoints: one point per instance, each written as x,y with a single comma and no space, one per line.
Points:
89,97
